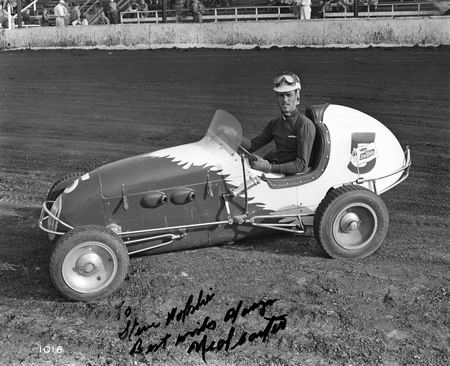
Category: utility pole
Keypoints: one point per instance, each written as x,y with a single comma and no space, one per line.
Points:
355,8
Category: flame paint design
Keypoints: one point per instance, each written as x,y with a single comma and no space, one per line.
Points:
209,156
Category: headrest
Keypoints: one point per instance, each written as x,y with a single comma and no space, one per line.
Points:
315,112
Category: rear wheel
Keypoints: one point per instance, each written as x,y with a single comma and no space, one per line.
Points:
89,263
351,222
61,184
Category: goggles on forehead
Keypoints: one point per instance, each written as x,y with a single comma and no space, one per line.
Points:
287,78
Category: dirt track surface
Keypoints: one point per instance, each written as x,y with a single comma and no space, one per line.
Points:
64,111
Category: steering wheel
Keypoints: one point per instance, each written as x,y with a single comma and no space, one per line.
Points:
248,154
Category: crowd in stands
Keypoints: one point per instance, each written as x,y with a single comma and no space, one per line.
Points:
28,14
330,6
183,9
69,13
66,14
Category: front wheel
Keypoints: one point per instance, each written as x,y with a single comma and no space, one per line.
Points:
88,263
351,222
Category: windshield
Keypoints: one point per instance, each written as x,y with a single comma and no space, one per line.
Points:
225,130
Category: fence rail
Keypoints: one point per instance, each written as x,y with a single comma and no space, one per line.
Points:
391,10
256,13
213,15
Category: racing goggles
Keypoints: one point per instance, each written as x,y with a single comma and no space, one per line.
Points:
286,81
288,78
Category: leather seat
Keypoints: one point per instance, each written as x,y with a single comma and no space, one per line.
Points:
315,114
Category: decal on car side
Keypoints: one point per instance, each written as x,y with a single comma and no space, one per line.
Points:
363,152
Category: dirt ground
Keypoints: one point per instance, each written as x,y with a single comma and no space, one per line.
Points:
74,110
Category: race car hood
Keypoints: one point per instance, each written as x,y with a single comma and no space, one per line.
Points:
143,173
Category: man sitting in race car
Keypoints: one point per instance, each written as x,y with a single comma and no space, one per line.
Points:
292,132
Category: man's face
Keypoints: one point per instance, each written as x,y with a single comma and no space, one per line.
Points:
287,101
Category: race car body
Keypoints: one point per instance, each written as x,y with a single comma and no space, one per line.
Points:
206,193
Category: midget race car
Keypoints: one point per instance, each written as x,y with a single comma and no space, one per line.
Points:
206,193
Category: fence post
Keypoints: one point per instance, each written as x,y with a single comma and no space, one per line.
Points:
19,13
164,11
10,18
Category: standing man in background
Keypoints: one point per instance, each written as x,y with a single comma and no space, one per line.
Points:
75,13
197,11
61,14
305,9
113,13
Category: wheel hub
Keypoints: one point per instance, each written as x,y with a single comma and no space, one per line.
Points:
355,226
350,222
88,264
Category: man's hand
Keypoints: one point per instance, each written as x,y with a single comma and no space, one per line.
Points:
261,164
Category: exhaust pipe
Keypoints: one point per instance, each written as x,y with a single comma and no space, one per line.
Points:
154,199
182,196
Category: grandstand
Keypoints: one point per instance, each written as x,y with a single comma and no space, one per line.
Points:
234,10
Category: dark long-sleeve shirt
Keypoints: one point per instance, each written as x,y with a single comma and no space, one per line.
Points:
293,137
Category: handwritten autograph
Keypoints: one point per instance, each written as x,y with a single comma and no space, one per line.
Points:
134,329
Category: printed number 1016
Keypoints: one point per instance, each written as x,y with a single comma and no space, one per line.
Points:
51,349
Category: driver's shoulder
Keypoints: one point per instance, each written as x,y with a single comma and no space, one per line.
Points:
274,122
304,122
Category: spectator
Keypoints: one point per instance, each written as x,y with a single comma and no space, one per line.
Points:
113,14
154,4
334,6
75,12
180,10
305,9
296,8
102,18
3,18
142,9
45,18
325,7
133,8
61,14
26,18
81,20
341,5
12,4
105,6
197,9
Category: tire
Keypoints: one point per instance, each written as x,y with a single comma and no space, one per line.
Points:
88,263
351,222
61,184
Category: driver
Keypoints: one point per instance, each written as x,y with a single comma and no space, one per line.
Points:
292,132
